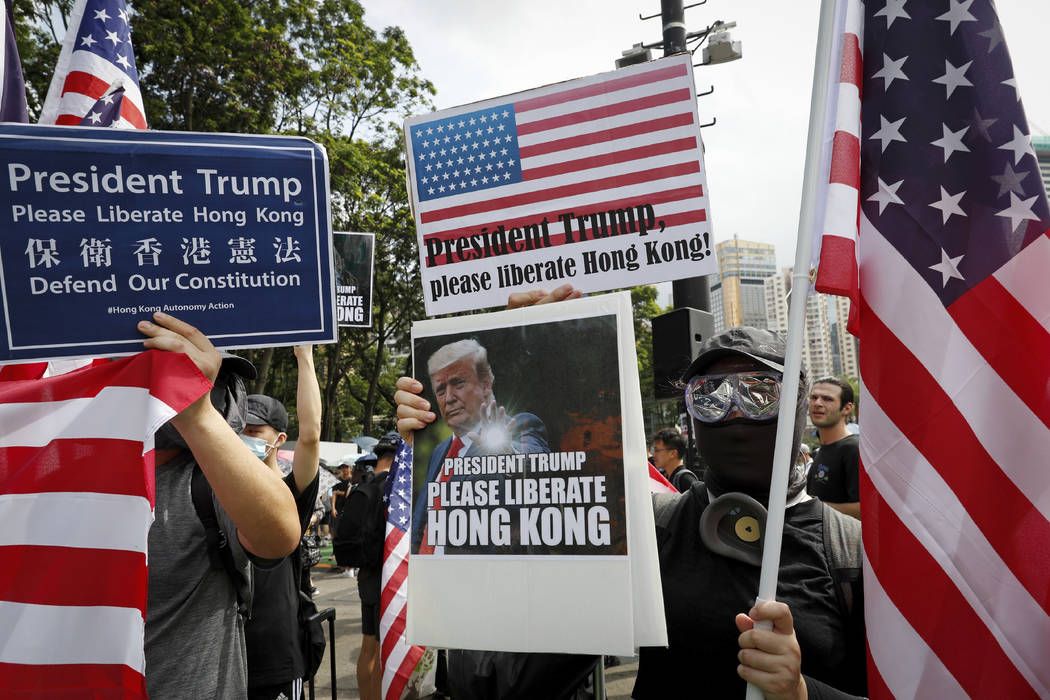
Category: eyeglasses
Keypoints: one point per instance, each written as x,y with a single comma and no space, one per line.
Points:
710,397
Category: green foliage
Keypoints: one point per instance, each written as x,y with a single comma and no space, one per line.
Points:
644,307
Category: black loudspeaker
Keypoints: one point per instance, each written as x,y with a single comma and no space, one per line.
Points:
676,340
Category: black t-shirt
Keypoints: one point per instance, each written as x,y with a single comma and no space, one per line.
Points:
369,580
682,478
344,485
272,632
704,591
834,476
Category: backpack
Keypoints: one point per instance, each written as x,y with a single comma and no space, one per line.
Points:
219,553
360,533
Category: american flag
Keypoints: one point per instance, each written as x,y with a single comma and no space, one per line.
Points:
12,84
398,657
76,504
96,57
954,319
658,483
106,111
614,141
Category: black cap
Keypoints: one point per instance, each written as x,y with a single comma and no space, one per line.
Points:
387,443
366,461
767,347
238,365
266,410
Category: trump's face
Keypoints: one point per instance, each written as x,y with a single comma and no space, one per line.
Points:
460,394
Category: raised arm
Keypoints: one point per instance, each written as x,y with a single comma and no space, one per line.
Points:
308,407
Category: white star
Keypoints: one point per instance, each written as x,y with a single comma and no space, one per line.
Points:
1019,210
1012,82
888,132
1020,144
441,127
948,267
123,15
893,10
403,520
891,70
954,77
951,141
101,14
993,35
886,195
949,204
112,36
957,13
88,41
108,98
123,60
96,117
1010,180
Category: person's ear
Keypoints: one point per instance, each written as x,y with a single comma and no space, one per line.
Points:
280,440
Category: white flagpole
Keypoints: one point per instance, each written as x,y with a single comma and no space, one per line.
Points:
816,170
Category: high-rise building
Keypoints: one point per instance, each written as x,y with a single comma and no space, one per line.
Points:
1041,145
738,296
816,346
844,347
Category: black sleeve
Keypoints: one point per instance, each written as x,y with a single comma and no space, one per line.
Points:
304,502
822,691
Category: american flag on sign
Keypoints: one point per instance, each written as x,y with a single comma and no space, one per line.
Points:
96,57
527,176
398,657
76,504
955,350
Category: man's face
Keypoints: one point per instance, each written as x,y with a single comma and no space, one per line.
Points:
664,458
825,409
460,394
264,432
344,472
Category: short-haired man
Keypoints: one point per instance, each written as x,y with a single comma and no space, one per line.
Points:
835,475
276,667
668,453
340,490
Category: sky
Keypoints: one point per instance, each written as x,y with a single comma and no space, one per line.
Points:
473,50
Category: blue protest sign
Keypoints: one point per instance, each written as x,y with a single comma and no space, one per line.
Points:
101,227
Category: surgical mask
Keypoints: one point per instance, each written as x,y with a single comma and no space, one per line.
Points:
259,447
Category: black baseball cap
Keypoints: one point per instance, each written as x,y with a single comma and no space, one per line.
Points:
366,461
266,410
387,443
767,347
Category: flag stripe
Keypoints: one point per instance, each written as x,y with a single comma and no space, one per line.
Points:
852,72
634,178
1013,343
1017,274
1011,433
404,672
393,635
838,266
604,136
607,110
102,520
979,665
605,159
845,159
71,682
601,88
70,465
910,396
26,576
58,634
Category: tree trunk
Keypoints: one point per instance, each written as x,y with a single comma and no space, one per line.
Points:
262,370
333,375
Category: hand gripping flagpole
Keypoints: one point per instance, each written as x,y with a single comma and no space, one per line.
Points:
815,175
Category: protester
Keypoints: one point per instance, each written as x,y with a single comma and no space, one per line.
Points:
276,668
194,635
668,453
347,480
835,475
734,386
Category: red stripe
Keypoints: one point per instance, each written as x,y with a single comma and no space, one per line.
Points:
26,370
1009,339
393,538
393,585
393,635
845,160
852,71
593,137
609,110
877,688
911,397
933,605
81,465
70,682
84,84
837,270
603,159
404,672
576,188
130,111
603,87
73,576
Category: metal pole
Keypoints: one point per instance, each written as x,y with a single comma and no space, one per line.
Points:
693,292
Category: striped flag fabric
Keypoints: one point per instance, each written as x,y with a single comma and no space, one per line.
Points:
97,56
398,657
542,174
76,504
954,329
105,112
12,84
658,483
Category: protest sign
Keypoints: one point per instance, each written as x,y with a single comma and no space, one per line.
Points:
101,227
533,475
598,182
354,261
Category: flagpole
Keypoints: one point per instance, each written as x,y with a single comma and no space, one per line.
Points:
811,184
